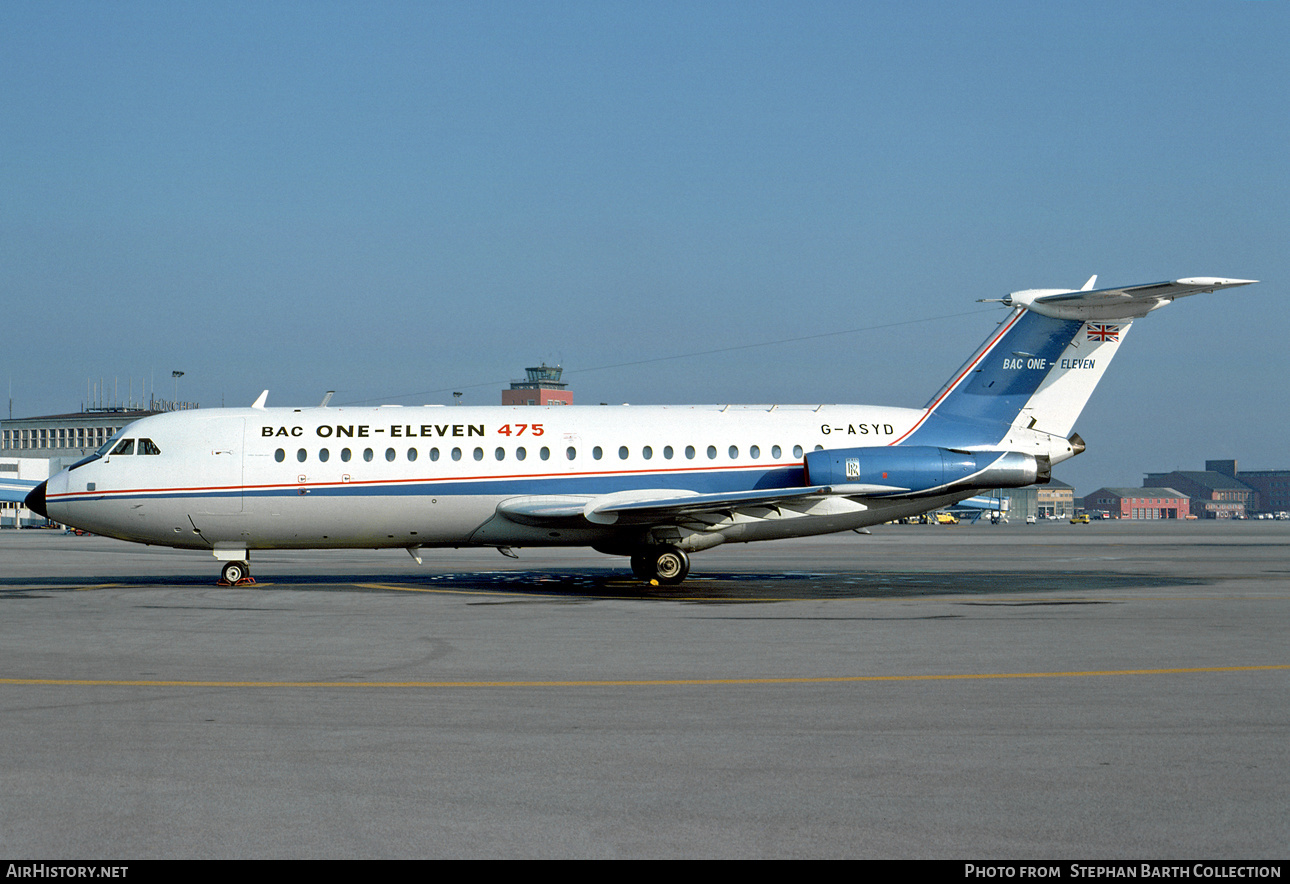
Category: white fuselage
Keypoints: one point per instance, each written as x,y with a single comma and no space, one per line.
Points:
260,478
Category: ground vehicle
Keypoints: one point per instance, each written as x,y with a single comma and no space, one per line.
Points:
1081,519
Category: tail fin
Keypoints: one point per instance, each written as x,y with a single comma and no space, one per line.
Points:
1041,365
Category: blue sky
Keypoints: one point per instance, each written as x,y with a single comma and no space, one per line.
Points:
398,200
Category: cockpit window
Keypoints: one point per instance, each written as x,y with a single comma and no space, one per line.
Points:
147,446
125,446
103,450
108,445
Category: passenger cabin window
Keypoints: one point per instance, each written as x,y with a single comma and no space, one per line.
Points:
279,455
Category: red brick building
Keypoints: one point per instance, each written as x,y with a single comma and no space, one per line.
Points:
1139,503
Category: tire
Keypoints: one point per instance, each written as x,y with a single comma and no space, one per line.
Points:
235,572
670,566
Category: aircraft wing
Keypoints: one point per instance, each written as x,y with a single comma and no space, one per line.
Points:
660,505
16,490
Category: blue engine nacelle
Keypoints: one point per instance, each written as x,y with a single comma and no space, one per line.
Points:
923,469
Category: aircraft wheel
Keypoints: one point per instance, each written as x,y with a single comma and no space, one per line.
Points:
670,565
235,572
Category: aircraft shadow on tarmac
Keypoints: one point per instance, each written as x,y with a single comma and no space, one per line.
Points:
601,583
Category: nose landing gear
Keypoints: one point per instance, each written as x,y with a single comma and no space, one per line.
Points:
236,574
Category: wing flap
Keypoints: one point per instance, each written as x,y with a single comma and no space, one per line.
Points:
544,509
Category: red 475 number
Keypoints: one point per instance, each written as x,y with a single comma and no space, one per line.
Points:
520,429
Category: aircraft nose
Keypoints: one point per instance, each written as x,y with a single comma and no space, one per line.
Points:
36,500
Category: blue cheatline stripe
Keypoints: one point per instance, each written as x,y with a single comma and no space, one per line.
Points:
701,481
990,391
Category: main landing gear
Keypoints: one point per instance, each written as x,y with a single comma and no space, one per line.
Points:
662,564
236,574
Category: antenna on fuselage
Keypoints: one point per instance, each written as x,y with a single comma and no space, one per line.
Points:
326,398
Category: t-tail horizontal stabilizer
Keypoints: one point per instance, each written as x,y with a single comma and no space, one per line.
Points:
1129,302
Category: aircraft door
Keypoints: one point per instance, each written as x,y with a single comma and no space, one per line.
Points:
217,477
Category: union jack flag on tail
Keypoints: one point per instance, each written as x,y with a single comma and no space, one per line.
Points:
1100,331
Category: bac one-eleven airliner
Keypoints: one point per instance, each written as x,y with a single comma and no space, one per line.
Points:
654,483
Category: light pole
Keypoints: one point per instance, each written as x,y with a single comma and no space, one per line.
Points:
176,375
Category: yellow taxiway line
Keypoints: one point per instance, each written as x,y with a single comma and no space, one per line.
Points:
599,683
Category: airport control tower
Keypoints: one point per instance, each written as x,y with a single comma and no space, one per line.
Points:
541,387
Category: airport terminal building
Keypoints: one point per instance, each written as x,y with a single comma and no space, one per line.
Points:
64,436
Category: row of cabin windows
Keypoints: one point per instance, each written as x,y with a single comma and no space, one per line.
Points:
570,453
